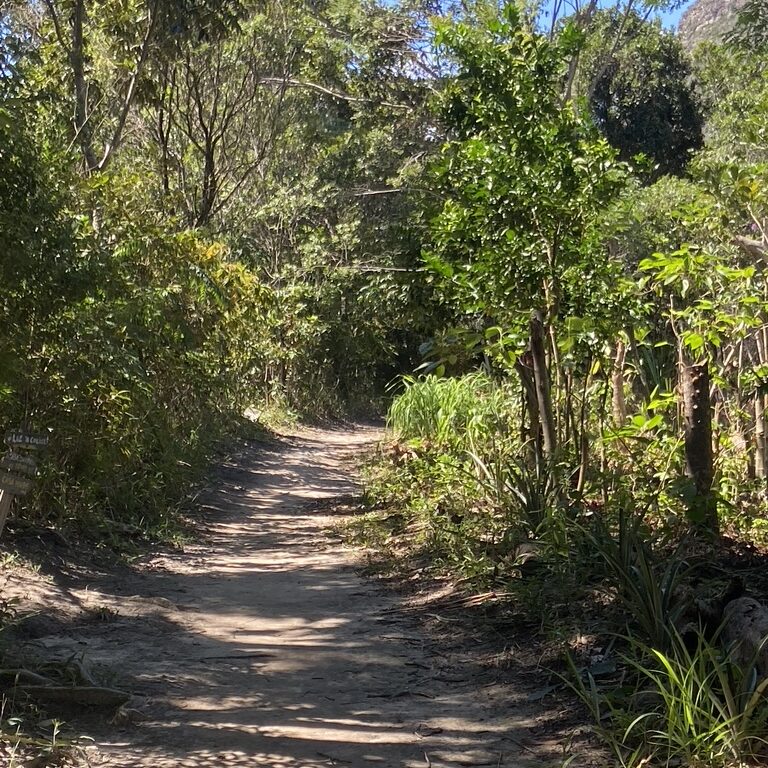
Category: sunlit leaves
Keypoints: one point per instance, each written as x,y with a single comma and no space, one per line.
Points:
524,179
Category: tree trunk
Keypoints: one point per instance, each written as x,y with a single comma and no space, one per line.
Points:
697,415
83,128
761,458
543,393
583,434
210,185
619,404
761,420
524,368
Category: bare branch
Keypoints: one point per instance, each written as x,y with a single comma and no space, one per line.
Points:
757,249
63,41
329,92
130,92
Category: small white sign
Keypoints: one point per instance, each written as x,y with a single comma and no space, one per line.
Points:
17,437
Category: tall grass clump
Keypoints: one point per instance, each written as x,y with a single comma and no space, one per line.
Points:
455,413
692,706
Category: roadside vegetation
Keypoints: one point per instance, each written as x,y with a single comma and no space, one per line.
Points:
588,437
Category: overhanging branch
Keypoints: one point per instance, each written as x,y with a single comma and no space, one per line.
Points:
290,83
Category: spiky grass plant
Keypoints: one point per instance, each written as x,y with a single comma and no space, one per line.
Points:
649,591
449,412
526,490
711,712
692,706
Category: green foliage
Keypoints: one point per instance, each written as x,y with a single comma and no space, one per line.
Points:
472,491
133,345
427,494
637,83
526,492
136,379
648,592
662,217
703,307
524,177
456,413
750,29
695,706
186,231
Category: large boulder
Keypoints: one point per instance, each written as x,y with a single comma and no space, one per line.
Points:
745,631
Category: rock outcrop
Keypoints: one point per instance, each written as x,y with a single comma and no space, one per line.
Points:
707,20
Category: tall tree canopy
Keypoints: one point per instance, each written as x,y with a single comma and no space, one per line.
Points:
637,83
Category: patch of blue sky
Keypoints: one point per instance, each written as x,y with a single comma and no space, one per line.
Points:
669,16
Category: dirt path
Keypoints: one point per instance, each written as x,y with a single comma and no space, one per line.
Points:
261,646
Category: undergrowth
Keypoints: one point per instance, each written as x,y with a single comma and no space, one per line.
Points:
628,605
28,736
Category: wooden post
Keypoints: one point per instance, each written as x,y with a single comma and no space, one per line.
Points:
697,416
5,507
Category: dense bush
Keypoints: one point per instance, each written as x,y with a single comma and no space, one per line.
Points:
134,347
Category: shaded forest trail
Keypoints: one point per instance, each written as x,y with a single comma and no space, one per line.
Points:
260,645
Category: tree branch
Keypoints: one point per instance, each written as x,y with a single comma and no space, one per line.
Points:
130,93
757,249
290,83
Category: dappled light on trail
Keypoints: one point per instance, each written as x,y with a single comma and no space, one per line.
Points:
260,645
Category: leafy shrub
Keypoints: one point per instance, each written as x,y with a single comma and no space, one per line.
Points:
135,347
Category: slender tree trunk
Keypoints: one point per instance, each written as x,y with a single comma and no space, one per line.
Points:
570,432
83,129
697,415
524,368
761,438
583,434
163,131
210,185
618,402
742,416
761,418
543,392
642,387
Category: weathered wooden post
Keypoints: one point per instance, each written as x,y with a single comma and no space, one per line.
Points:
18,468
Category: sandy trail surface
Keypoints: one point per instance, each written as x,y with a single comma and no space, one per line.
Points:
260,645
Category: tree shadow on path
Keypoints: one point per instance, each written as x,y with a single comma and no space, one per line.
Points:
261,646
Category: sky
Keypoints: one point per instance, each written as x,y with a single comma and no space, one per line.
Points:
669,19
